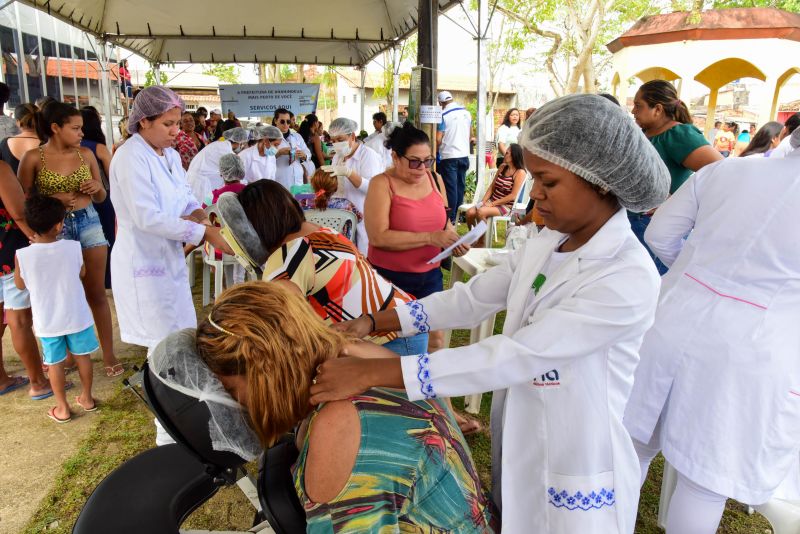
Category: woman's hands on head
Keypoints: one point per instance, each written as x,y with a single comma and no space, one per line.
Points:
214,237
357,328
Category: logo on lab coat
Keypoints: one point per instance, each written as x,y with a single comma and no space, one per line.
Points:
551,379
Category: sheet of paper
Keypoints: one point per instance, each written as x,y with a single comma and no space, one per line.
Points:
467,239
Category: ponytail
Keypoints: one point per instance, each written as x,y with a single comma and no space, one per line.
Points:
325,186
53,113
661,92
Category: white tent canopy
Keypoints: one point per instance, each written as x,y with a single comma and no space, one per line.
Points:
347,32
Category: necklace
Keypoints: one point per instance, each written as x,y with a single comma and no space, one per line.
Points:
24,137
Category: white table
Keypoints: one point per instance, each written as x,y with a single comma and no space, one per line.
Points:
472,263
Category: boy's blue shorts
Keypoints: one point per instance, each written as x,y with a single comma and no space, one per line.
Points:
80,343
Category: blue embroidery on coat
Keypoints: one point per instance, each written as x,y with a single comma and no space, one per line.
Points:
424,376
579,501
417,311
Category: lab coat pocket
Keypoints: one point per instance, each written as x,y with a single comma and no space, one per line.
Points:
585,504
154,293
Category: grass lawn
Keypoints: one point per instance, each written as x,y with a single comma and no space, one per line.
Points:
125,428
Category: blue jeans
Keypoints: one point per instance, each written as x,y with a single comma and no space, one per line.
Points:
409,346
639,223
84,225
454,174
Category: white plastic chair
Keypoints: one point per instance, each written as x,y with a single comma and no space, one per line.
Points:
519,204
342,221
190,265
480,190
225,266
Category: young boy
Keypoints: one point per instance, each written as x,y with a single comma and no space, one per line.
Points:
52,271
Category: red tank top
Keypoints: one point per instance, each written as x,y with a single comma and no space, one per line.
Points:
408,215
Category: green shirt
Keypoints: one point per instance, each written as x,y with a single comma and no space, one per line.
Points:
674,146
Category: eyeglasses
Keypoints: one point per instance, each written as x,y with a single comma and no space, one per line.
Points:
417,163
283,121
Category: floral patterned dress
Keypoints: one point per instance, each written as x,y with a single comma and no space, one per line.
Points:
11,240
186,147
413,473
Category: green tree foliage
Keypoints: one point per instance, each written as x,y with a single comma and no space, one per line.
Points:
571,35
224,73
407,51
150,78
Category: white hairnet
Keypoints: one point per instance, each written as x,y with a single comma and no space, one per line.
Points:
236,135
389,127
255,133
795,139
342,126
175,362
152,101
231,168
272,132
595,139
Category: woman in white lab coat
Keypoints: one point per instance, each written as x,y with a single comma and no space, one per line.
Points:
203,173
357,163
718,387
259,159
579,297
156,214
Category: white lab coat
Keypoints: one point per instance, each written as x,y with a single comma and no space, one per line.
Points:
203,172
289,174
721,365
367,163
151,284
375,141
256,166
567,357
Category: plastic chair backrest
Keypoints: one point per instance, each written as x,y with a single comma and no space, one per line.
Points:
524,193
342,221
213,215
483,185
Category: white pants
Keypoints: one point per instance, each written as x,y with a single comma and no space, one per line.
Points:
693,509
162,437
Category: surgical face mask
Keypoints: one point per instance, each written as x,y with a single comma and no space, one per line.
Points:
237,148
270,151
342,148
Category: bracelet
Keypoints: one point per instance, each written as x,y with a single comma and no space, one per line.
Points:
372,320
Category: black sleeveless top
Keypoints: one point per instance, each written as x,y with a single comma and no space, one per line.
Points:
7,156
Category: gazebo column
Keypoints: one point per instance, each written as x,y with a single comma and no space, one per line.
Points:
768,106
622,90
711,114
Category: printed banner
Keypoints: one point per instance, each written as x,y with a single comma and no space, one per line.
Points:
259,100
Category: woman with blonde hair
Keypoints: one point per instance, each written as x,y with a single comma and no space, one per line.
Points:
265,345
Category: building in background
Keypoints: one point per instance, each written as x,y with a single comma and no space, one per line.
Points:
43,56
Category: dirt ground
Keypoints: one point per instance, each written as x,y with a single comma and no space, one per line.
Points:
32,447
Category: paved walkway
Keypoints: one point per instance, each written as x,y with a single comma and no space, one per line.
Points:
32,447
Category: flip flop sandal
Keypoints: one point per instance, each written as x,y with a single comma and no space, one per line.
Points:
16,383
85,409
51,413
43,396
114,370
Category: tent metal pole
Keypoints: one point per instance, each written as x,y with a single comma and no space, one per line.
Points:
363,94
483,74
156,73
105,89
395,82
